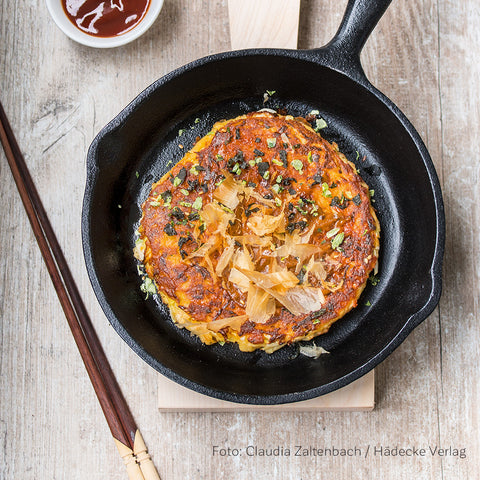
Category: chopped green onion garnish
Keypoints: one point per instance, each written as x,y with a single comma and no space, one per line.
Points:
309,157
278,202
300,209
198,203
252,163
338,239
197,120
320,123
180,132
326,192
297,165
229,210
271,142
314,112
332,232
276,187
177,181
277,162
219,157
148,287
185,192
279,178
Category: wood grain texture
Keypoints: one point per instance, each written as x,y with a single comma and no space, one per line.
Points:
357,396
265,24
58,94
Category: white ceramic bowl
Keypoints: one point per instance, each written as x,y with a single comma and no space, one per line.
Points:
68,28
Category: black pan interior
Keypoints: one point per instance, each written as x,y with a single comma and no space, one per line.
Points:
139,145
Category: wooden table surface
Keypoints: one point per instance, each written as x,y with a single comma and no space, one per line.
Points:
58,94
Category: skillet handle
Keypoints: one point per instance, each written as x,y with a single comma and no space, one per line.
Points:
343,51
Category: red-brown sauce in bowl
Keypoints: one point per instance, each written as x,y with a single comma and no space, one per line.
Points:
107,18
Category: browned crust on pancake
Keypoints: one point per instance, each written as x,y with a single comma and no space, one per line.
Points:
170,231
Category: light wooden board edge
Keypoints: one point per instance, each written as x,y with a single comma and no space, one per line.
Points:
357,396
264,23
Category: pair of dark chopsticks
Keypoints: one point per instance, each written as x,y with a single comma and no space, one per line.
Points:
127,437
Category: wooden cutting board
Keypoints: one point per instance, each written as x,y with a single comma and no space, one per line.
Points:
263,23
267,24
358,396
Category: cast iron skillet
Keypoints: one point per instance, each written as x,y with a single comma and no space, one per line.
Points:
135,149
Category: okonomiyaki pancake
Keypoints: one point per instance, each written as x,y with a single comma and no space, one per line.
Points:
263,234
